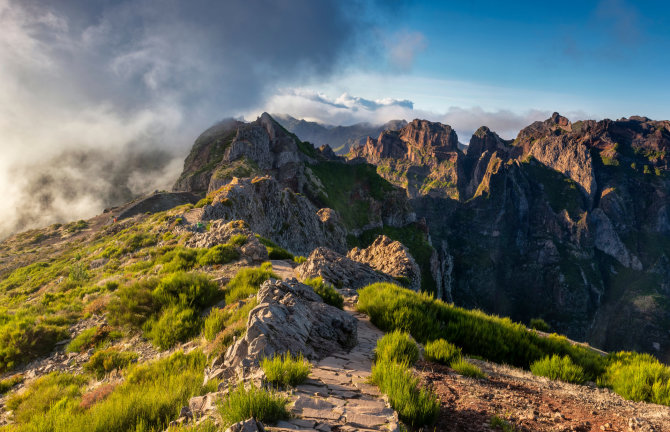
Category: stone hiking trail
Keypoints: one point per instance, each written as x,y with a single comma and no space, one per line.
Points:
337,396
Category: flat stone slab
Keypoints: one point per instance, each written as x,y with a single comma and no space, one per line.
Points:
366,420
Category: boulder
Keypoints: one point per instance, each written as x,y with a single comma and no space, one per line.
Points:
290,316
250,425
339,270
390,257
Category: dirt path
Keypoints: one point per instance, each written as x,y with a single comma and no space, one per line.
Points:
533,403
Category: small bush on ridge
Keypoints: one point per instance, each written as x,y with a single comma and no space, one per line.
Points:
176,324
441,351
326,291
466,368
105,361
263,405
286,370
539,324
559,368
415,406
247,282
398,347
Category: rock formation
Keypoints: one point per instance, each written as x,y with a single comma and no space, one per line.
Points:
281,215
390,257
291,317
339,270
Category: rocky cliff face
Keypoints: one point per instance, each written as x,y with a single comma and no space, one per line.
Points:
236,149
568,222
423,157
281,215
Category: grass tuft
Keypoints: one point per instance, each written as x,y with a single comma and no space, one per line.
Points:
465,368
441,351
326,291
397,347
286,370
263,405
559,368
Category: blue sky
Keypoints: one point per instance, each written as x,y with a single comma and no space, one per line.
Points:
612,55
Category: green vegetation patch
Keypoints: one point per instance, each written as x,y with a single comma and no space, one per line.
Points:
441,351
275,252
105,361
286,370
496,339
7,383
326,291
465,368
346,188
397,346
247,282
148,399
264,405
559,368
415,406
638,377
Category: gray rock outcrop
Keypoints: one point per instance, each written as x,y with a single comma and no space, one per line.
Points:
390,257
279,214
221,232
339,270
290,316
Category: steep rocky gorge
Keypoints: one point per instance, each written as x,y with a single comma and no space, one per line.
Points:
568,222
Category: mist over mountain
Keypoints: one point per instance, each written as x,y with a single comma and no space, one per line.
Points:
339,138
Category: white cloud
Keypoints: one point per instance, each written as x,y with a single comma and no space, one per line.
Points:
347,109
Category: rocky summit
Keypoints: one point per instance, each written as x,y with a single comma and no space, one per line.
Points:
409,283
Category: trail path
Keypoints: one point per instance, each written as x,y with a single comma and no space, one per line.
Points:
337,396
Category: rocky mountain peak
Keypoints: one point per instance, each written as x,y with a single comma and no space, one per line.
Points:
437,138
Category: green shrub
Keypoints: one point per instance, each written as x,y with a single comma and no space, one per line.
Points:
138,241
465,368
105,361
496,339
219,254
7,383
193,290
238,240
92,337
275,252
24,338
215,323
397,346
176,324
263,405
638,377
415,406
177,258
43,393
133,304
539,324
149,398
299,259
247,282
326,291
559,368
286,370
441,351
203,202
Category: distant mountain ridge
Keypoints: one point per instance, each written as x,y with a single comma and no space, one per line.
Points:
339,138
